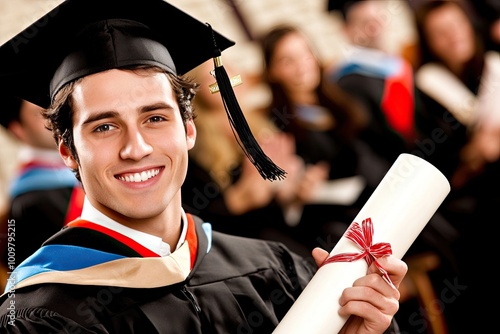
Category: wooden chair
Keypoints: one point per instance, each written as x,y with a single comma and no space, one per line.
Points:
417,284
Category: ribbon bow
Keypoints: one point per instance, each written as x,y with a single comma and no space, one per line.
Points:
362,236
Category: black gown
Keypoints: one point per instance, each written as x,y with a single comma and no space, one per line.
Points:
236,285
42,199
233,285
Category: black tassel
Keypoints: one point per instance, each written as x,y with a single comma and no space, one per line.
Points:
266,167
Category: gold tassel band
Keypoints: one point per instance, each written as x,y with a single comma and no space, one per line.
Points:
218,61
235,81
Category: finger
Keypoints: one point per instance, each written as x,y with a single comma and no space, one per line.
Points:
319,255
357,299
395,267
374,290
373,309
364,318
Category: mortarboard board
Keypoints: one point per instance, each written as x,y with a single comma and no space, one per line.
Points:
30,59
83,37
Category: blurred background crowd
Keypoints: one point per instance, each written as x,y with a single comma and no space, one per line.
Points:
334,91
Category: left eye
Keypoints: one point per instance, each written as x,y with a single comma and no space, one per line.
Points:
104,128
156,119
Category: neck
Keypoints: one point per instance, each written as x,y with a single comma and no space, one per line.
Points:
166,225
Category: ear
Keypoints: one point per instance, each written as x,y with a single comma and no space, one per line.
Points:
66,155
190,133
17,130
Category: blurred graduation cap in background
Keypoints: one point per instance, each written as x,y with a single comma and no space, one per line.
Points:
342,6
10,107
83,37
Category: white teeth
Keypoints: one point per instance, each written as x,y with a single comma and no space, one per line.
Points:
140,177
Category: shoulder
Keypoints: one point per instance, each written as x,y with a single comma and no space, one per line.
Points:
244,251
368,63
243,256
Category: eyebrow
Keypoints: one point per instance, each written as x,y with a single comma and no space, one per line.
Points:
112,114
99,116
156,106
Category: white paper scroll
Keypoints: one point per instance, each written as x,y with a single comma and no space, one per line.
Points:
400,207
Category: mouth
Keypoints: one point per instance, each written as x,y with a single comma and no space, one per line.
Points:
139,177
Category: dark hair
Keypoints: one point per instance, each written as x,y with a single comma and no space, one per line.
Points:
342,6
474,66
59,115
347,112
280,102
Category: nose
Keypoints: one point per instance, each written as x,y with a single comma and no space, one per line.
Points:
136,146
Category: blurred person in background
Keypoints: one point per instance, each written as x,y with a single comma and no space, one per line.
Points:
10,148
44,194
222,185
460,83
382,82
323,121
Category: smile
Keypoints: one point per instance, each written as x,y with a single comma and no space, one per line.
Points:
139,177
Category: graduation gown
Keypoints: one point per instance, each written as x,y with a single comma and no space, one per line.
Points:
43,198
384,84
87,279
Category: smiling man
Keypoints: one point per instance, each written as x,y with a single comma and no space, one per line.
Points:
138,184
135,262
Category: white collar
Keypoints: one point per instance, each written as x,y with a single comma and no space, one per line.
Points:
357,53
153,243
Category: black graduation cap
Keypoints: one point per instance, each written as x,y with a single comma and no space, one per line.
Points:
341,5
83,37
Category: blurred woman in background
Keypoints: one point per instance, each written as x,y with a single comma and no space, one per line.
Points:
459,77
324,121
222,183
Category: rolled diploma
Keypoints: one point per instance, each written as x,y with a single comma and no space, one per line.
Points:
400,207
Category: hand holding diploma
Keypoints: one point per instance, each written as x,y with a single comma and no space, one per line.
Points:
370,303
355,288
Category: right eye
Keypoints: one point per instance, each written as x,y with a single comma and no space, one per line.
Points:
104,128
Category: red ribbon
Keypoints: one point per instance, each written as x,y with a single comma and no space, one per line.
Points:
362,236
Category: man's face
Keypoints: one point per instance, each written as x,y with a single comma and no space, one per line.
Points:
365,24
131,143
